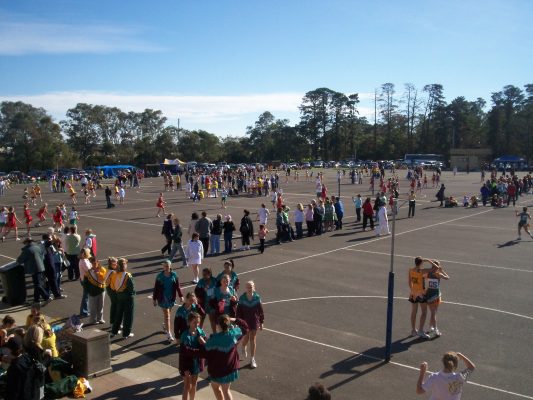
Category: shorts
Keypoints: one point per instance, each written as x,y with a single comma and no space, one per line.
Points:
523,225
418,299
73,221
434,300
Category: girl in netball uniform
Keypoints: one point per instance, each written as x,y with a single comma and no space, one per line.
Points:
41,214
28,218
72,193
229,266
192,342
33,196
11,223
73,216
205,293
418,296
3,220
167,285
222,356
182,314
433,295
160,205
58,219
250,310
523,222
225,299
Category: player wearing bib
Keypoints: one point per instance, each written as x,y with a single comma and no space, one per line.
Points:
160,204
124,288
73,216
72,193
205,293
523,222
11,223
418,296
3,220
192,342
41,214
28,218
446,384
433,294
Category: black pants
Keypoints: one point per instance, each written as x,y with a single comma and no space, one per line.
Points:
74,267
338,223
205,242
366,219
310,227
245,239
411,209
38,287
51,278
318,227
262,245
168,246
358,213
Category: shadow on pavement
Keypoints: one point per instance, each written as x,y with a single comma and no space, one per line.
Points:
508,244
370,360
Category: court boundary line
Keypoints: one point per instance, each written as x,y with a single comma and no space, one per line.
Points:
445,261
396,298
390,362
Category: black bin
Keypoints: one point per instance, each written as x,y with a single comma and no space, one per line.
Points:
13,282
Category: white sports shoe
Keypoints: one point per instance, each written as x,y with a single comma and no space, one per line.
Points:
253,363
423,335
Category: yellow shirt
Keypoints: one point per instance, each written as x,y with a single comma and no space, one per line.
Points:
417,282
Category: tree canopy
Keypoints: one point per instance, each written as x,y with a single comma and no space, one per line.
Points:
330,127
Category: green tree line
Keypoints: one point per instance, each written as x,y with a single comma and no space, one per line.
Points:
412,120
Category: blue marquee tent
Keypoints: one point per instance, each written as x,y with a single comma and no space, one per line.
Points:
113,170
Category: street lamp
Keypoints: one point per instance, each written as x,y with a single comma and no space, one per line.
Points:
339,182
390,293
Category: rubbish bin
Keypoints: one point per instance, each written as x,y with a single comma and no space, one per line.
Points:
13,282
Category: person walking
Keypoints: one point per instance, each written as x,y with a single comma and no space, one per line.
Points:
166,286
250,310
205,293
192,342
167,230
190,305
523,223
445,384
31,257
177,236
222,355
203,227
195,254
124,287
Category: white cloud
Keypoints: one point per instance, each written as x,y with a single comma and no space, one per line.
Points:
220,114
21,37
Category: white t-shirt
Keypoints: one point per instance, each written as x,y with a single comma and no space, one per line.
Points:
263,215
122,193
446,385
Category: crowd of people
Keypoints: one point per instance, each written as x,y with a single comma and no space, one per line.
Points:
234,318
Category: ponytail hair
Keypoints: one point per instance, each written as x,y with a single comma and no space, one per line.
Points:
224,322
230,263
450,361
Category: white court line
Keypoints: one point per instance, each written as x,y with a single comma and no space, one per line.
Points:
445,261
362,243
9,258
120,220
485,227
397,298
391,362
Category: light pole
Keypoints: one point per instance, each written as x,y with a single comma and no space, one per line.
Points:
339,182
390,294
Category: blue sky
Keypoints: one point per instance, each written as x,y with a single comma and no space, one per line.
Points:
218,64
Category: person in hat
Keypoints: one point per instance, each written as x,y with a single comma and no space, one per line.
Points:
32,258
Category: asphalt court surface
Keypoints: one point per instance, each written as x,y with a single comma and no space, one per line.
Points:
325,297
